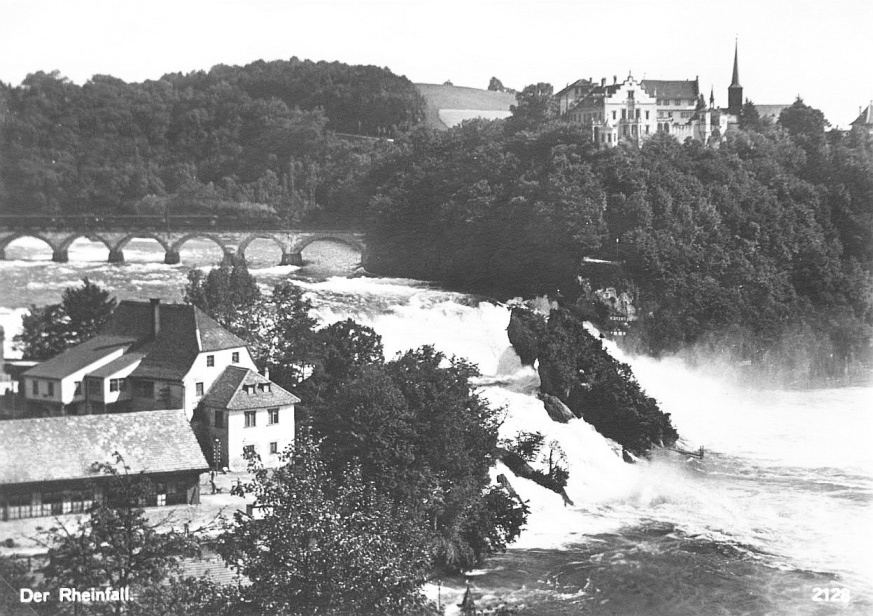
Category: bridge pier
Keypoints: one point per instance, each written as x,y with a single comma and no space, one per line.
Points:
116,256
292,258
59,255
172,257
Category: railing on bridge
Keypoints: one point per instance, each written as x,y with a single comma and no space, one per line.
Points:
100,222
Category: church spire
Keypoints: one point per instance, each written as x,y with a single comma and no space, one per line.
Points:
735,82
735,90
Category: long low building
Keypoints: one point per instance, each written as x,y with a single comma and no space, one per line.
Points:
49,465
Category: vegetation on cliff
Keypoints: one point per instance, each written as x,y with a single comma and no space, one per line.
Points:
574,367
758,250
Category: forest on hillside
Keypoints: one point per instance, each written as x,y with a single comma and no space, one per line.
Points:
758,251
266,140
757,247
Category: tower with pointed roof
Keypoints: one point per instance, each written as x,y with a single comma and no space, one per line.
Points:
735,90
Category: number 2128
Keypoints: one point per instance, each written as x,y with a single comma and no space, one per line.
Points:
830,594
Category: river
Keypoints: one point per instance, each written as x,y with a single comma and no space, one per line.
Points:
777,519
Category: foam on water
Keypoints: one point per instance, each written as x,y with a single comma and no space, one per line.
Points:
787,474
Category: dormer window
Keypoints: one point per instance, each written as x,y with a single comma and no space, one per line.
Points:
265,387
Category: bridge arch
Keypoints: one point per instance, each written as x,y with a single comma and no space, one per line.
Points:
5,242
177,245
300,245
141,236
91,237
261,236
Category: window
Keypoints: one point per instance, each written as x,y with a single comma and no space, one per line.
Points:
624,114
218,419
613,114
638,114
647,115
35,388
630,94
78,391
198,388
248,449
117,384
235,357
274,447
51,388
251,417
210,361
272,416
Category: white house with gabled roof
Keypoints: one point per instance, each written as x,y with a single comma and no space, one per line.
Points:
152,356
245,410
148,356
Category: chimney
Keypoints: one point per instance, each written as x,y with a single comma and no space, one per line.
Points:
156,315
266,373
603,82
614,79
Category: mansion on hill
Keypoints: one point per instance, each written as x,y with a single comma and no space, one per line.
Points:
633,111
162,384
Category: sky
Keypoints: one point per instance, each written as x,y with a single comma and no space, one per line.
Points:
820,50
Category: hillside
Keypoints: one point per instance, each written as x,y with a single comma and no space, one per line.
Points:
448,106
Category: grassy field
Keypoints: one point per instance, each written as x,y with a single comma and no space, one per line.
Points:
458,103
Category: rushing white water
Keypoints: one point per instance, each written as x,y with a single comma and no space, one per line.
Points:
788,476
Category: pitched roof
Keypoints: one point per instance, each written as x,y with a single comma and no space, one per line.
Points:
184,332
735,78
61,448
866,117
771,111
579,83
595,95
229,391
117,365
660,88
80,356
213,337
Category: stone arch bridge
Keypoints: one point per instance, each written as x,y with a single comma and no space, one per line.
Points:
291,242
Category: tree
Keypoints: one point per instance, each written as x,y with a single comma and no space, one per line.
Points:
749,118
424,437
495,85
43,334
50,330
285,342
324,544
344,348
116,545
88,308
14,575
536,105
227,293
